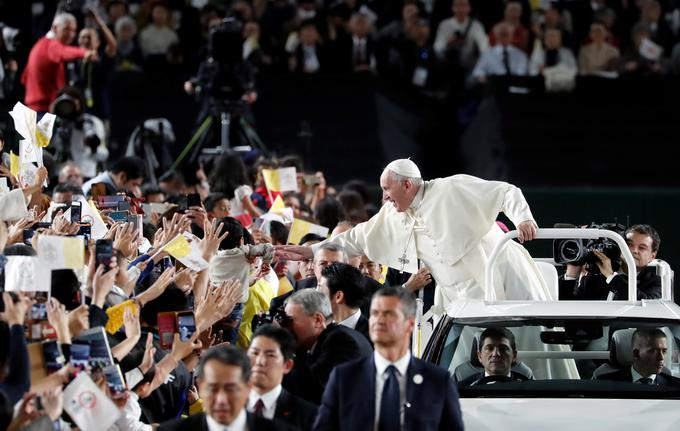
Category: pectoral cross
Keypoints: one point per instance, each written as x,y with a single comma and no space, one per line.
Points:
403,262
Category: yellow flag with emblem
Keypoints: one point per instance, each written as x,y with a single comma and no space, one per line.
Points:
300,228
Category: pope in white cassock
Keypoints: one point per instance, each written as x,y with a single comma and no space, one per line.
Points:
448,224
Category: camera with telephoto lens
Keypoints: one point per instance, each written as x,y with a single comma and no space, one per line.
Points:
278,315
580,252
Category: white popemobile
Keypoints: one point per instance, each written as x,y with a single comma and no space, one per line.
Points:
562,348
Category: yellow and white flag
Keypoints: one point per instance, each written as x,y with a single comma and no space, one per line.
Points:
36,136
185,249
62,252
280,180
278,206
300,228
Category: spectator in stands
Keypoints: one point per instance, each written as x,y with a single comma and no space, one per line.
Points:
643,242
44,73
324,344
126,174
93,77
158,36
358,48
660,33
344,286
599,55
642,57
650,349
129,54
519,35
309,57
420,67
502,59
497,353
272,355
461,39
551,54
116,9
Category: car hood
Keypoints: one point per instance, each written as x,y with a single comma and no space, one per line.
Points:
560,414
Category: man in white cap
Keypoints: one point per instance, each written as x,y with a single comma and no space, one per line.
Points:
449,225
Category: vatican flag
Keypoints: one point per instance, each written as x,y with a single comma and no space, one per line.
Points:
300,228
184,247
62,252
280,180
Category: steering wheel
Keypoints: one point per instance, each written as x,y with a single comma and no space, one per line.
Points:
492,379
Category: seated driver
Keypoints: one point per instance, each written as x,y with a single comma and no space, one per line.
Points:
497,353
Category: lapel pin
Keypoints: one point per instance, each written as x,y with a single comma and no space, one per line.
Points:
417,379
407,405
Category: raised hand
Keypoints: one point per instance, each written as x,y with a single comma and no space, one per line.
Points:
212,237
58,318
293,252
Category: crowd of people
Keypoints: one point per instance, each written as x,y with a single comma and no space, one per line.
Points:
435,47
204,315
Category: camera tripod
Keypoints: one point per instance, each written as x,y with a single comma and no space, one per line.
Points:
229,116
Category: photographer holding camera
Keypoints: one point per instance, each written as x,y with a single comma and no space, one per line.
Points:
601,279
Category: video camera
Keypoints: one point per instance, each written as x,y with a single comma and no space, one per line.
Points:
278,315
580,252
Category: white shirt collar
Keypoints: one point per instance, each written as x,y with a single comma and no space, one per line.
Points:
239,424
637,376
358,40
351,321
268,398
487,374
418,197
381,363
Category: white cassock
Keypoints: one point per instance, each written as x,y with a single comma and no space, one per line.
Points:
13,205
451,228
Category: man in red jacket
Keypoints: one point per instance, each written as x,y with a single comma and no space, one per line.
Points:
44,74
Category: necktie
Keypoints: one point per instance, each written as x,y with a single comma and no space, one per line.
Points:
259,408
645,381
506,61
359,57
390,417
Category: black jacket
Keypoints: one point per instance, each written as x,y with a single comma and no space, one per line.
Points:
295,411
595,287
625,375
336,344
198,422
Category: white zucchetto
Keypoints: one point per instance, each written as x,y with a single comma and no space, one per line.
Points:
404,167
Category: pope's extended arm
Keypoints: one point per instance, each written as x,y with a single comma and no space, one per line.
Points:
353,241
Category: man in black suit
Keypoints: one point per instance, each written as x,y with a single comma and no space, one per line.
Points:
643,243
497,352
366,393
343,284
321,344
271,355
223,385
649,352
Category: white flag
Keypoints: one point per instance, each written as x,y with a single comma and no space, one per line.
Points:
27,274
62,252
88,406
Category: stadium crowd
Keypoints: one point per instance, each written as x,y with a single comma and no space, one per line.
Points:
173,283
